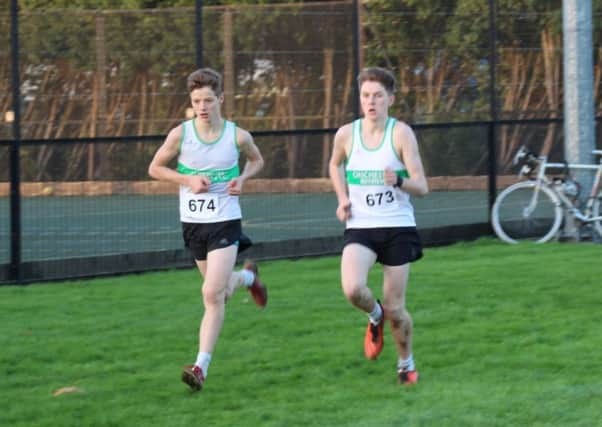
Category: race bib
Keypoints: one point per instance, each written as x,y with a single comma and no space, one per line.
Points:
202,206
379,200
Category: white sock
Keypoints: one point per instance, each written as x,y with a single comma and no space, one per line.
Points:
407,364
248,277
376,314
202,360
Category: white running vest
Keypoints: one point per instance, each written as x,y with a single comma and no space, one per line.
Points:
218,160
374,204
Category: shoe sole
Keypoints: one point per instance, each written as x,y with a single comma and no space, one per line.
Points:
262,299
374,350
408,383
191,380
252,267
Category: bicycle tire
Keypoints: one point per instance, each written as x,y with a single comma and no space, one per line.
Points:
513,224
596,212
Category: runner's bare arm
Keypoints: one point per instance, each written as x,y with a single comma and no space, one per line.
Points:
337,171
253,164
160,170
407,146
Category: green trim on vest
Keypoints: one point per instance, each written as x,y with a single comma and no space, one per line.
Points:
182,137
214,175
383,139
216,140
377,177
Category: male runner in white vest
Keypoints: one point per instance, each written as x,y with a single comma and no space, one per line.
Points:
210,182
374,168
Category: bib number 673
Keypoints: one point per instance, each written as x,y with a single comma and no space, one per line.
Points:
378,199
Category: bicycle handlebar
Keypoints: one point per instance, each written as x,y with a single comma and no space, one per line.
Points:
529,160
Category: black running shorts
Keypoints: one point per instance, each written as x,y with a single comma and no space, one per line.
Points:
392,245
206,237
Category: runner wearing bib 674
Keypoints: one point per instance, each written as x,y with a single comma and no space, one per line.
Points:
207,148
218,162
375,166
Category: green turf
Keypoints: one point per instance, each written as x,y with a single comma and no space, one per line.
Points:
504,336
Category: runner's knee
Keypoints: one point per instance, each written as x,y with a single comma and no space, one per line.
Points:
397,314
213,295
353,290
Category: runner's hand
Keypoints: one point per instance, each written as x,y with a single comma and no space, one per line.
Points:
235,187
344,211
390,177
198,183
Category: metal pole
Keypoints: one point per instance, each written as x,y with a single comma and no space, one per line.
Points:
15,170
579,121
356,56
493,105
198,32
579,125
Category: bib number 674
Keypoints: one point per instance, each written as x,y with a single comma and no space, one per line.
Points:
198,205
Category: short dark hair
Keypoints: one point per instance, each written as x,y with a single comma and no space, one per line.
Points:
205,77
377,74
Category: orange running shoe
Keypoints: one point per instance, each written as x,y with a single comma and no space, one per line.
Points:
258,291
407,377
193,376
373,341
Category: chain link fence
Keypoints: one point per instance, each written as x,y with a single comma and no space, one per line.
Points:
100,89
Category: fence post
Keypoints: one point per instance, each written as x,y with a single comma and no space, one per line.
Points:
100,90
198,32
356,56
229,80
15,148
492,129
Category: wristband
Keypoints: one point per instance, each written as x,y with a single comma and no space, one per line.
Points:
399,182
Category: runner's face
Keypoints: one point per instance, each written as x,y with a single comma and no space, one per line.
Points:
375,100
206,104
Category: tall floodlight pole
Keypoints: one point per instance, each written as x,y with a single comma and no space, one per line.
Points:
579,124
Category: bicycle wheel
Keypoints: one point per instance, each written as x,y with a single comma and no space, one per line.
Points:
520,214
596,211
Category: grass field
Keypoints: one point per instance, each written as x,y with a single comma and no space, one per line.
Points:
504,336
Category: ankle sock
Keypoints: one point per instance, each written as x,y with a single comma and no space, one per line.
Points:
376,314
248,277
202,361
407,364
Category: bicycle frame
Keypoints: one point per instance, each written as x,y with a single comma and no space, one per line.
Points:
568,204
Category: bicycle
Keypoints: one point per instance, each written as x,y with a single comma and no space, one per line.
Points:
533,210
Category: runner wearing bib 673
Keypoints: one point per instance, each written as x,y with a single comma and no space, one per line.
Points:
374,168
207,149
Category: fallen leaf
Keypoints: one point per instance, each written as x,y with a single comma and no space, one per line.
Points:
64,390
